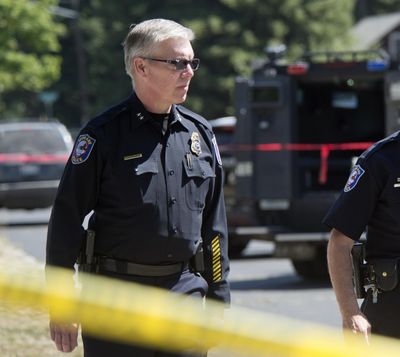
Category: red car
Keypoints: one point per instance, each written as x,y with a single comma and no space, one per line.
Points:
32,160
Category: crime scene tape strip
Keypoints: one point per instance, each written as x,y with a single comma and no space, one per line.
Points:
132,313
324,150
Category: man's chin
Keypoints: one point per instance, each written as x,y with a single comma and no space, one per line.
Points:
180,100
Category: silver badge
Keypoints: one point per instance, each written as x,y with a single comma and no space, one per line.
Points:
195,144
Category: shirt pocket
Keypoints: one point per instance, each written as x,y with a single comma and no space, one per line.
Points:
145,182
197,182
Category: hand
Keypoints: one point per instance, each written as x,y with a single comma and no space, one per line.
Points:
65,336
358,324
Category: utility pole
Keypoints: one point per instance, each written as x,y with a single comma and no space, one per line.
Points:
81,65
73,15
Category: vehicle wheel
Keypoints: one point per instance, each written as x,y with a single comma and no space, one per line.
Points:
236,246
316,269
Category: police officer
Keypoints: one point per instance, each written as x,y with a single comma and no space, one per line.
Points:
370,200
151,172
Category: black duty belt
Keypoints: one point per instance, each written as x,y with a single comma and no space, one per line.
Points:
106,264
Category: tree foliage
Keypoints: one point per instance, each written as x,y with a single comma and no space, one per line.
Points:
383,6
232,38
28,45
230,34
375,7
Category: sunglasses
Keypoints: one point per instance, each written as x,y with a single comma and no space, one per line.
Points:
180,64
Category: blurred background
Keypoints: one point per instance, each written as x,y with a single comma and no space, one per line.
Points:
61,63
63,59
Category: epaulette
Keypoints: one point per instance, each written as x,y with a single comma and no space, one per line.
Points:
373,148
188,114
109,114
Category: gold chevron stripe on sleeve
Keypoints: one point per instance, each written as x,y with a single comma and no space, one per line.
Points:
216,259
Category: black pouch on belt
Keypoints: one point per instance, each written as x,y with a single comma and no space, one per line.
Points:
386,273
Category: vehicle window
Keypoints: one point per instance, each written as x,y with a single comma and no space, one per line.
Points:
30,141
268,94
329,111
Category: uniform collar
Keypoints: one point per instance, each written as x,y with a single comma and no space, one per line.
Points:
140,116
177,118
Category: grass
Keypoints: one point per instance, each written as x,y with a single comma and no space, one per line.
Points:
24,332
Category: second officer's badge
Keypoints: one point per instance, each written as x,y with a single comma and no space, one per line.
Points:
195,144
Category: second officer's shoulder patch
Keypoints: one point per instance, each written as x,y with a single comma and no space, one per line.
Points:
83,148
354,177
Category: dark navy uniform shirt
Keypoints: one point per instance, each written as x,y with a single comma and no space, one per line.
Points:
153,195
371,200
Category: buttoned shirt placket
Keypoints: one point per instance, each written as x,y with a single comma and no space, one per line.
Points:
171,156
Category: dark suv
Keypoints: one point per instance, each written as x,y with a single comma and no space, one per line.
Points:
32,160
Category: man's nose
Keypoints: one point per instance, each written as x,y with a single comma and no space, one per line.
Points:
188,71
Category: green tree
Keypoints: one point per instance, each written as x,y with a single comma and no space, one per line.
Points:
230,34
231,37
375,7
28,45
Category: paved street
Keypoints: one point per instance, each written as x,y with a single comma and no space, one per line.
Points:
258,282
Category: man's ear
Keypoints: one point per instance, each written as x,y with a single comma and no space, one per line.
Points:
139,66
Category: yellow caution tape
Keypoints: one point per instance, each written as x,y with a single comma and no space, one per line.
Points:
148,316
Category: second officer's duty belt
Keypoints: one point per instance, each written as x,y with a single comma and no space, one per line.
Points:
105,264
377,274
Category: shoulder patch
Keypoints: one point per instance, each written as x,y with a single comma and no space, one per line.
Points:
83,148
354,177
217,154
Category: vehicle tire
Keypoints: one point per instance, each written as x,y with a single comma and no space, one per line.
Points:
316,269
236,246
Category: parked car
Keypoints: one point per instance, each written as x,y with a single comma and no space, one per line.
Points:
32,160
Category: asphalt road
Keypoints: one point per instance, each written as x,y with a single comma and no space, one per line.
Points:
257,281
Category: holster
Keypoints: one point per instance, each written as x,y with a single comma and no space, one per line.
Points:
385,273
86,260
197,261
359,269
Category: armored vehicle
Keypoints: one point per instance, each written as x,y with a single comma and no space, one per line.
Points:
300,127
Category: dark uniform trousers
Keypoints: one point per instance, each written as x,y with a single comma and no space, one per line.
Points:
188,283
384,315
